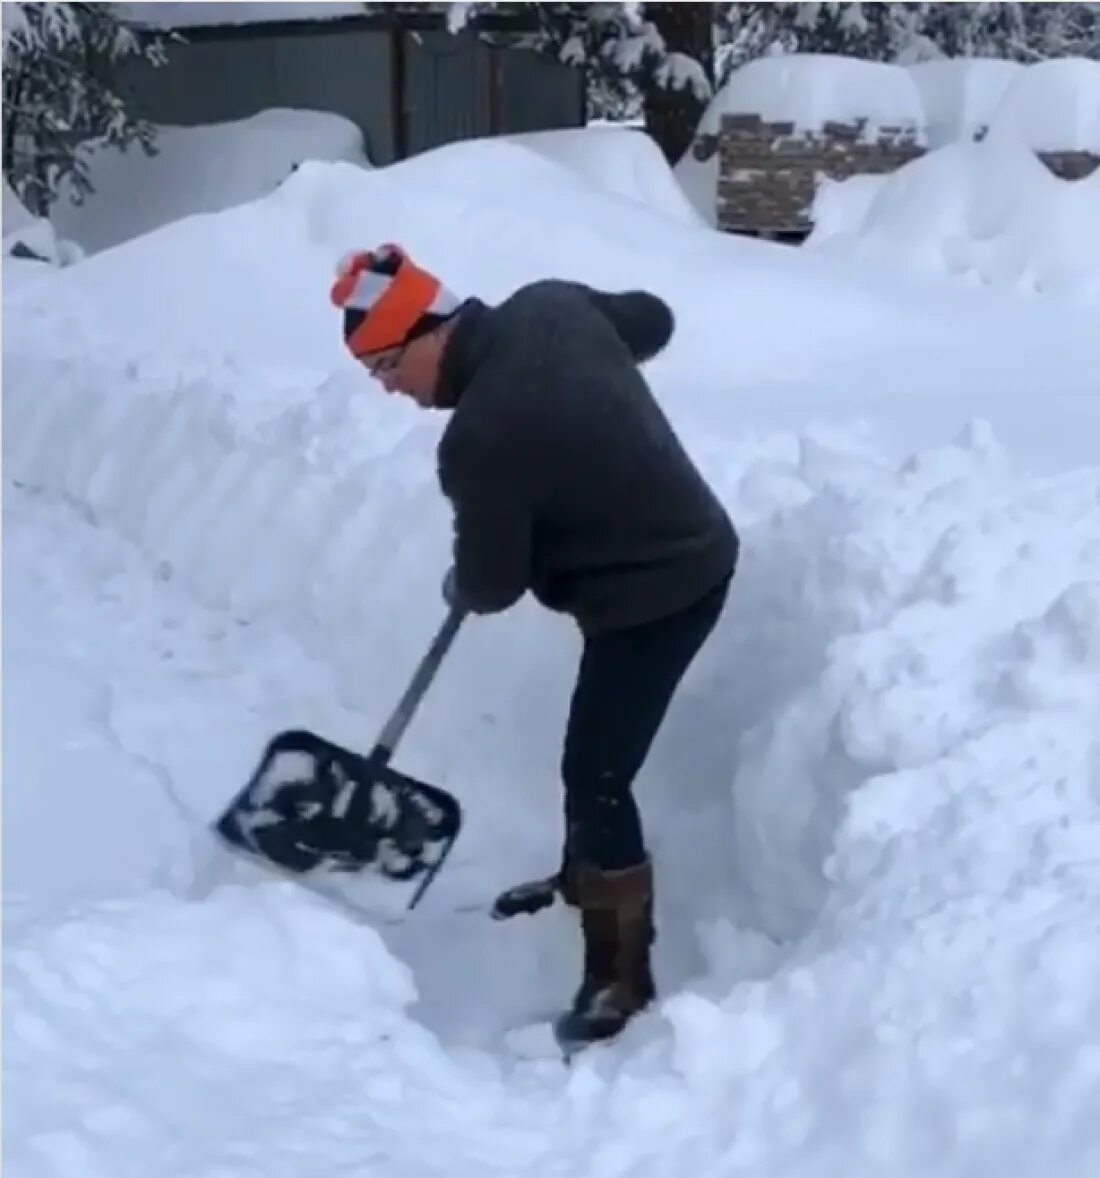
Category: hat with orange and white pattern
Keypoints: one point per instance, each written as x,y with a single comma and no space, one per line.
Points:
387,299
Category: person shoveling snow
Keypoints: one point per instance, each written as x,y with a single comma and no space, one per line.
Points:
566,480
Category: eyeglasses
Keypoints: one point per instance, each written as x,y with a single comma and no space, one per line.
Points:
387,363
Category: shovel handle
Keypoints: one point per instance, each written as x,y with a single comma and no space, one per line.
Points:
418,686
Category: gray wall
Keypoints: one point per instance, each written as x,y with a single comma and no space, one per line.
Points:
456,87
212,81
448,91
538,90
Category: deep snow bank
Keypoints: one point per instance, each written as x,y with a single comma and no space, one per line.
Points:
915,770
199,170
987,212
236,296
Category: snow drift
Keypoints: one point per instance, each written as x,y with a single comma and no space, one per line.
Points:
199,170
961,95
624,162
914,787
1053,106
456,210
988,212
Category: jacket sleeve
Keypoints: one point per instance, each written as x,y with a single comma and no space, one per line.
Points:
492,522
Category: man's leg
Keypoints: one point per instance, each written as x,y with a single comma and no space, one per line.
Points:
626,682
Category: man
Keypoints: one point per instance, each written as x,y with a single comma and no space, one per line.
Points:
566,480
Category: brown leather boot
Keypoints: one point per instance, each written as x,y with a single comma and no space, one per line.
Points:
617,922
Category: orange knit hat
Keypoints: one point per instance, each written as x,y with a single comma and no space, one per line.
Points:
384,295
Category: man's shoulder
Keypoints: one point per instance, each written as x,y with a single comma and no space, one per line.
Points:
547,295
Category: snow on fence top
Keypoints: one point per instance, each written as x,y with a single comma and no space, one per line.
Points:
812,89
163,15
1053,106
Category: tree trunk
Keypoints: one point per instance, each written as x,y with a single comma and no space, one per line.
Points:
671,116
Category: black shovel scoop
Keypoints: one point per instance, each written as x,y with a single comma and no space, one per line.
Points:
312,807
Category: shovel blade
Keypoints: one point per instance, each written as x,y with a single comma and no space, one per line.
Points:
313,807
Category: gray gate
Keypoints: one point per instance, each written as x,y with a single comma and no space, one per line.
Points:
448,91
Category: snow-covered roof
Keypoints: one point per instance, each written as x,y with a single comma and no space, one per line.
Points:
190,16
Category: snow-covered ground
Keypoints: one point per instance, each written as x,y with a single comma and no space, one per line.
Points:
875,808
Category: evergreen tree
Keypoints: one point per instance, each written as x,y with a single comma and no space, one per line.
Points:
59,67
666,60
664,53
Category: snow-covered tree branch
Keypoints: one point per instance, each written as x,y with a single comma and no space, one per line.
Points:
60,62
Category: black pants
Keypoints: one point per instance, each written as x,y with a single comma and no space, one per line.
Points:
627,679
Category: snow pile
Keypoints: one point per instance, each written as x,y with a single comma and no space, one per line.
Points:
989,213
34,238
199,170
624,162
960,95
1053,106
913,769
456,210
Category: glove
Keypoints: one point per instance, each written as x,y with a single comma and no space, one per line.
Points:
450,590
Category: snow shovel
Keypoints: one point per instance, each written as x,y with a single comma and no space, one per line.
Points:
312,807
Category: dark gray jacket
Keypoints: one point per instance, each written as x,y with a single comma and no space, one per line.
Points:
565,475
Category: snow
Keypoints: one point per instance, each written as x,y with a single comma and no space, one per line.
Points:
698,179
960,95
25,232
811,89
873,810
167,15
622,161
199,170
988,213
1047,106
1053,106
15,214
